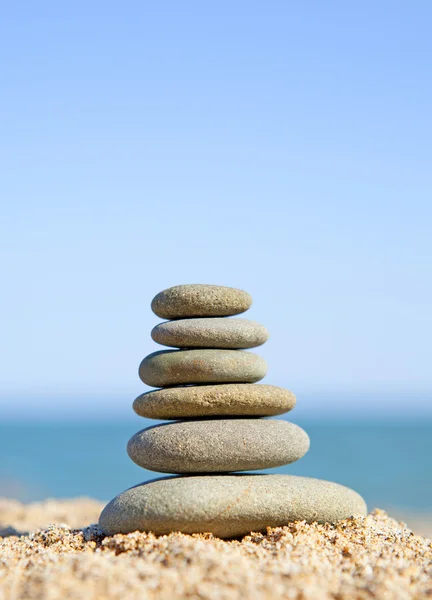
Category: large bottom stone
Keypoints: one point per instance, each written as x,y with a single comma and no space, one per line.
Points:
228,505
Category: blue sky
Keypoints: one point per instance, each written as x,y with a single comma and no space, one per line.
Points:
280,147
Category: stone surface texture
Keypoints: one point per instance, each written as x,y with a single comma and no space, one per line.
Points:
218,445
200,300
176,367
228,505
216,332
231,399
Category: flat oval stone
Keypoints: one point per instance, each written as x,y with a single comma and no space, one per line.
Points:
176,367
210,333
215,446
228,505
231,399
200,300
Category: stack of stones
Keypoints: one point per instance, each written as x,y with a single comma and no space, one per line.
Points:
207,386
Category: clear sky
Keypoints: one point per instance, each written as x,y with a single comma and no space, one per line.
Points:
281,147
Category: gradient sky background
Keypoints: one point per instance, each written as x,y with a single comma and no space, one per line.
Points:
280,147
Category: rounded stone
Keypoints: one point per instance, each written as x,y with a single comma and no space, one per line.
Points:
217,446
210,333
177,367
200,300
228,505
230,400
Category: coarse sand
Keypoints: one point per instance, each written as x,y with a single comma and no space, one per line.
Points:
357,559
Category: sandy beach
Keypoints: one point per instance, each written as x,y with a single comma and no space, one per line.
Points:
50,550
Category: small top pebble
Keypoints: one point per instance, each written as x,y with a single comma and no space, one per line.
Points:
200,300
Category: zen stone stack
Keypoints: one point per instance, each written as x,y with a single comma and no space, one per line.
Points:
207,387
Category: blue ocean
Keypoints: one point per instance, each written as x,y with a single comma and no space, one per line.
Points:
389,464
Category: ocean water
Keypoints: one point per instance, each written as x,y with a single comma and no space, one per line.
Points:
389,464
